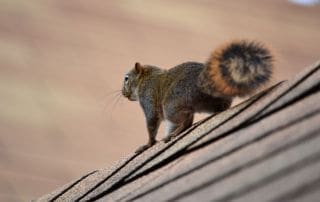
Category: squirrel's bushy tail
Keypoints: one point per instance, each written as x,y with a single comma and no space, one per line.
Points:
237,68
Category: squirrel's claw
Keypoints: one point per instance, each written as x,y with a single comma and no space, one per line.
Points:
144,147
167,139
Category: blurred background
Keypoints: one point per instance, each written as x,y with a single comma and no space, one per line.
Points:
62,65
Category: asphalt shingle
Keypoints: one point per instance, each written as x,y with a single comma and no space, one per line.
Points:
268,143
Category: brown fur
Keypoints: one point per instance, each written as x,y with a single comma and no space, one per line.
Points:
234,83
174,95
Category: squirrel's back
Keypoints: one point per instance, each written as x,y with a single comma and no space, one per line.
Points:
182,78
183,92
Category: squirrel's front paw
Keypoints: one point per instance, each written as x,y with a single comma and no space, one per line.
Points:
143,148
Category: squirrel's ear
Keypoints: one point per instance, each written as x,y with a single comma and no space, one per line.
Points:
138,67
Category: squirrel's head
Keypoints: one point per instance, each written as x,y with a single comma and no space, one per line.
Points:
131,81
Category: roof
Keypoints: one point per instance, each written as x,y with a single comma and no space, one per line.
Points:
266,144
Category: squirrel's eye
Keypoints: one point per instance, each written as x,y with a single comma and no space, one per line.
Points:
126,78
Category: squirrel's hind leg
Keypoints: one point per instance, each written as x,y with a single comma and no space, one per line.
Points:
177,123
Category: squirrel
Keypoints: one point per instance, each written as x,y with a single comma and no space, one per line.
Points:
236,68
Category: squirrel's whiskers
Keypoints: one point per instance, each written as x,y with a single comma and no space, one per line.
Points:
110,93
109,106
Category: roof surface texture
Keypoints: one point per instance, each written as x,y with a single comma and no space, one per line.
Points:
266,148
